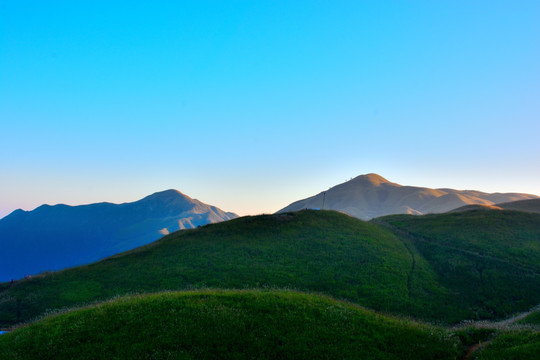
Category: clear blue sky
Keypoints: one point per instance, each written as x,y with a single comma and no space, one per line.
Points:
250,105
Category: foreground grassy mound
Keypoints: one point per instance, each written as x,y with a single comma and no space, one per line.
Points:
489,261
227,325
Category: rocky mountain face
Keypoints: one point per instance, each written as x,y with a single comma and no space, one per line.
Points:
60,236
370,196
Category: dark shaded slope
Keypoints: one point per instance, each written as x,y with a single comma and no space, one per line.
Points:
489,261
55,237
531,205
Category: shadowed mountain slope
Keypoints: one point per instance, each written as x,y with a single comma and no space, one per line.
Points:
59,236
532,205
370,196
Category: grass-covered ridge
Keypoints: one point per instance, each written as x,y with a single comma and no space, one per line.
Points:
310,250
409,268
227,325
488,260
510,235
512,345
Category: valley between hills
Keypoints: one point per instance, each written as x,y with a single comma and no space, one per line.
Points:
302,283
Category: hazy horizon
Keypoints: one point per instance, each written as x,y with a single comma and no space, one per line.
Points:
250,106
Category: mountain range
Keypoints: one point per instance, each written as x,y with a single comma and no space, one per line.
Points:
55,237
60,236
480,264
370,196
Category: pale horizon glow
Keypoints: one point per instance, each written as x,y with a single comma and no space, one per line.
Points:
249,106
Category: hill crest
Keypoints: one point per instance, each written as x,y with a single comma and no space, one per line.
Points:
373,179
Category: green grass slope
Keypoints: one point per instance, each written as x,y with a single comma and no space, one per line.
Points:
310,250
227,325
489,261
532,319
512,345
443,268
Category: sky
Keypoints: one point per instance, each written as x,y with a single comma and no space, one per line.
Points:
251,105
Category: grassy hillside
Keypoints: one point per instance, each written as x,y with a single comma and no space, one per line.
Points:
436,268
512,345
317,251
227,325
488,260
533,318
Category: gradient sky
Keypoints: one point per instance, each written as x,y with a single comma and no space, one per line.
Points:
251,105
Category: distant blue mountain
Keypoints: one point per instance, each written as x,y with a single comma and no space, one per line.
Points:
60,236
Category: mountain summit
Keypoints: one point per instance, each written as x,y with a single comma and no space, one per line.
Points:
172,202
55,237
371,179
370,196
